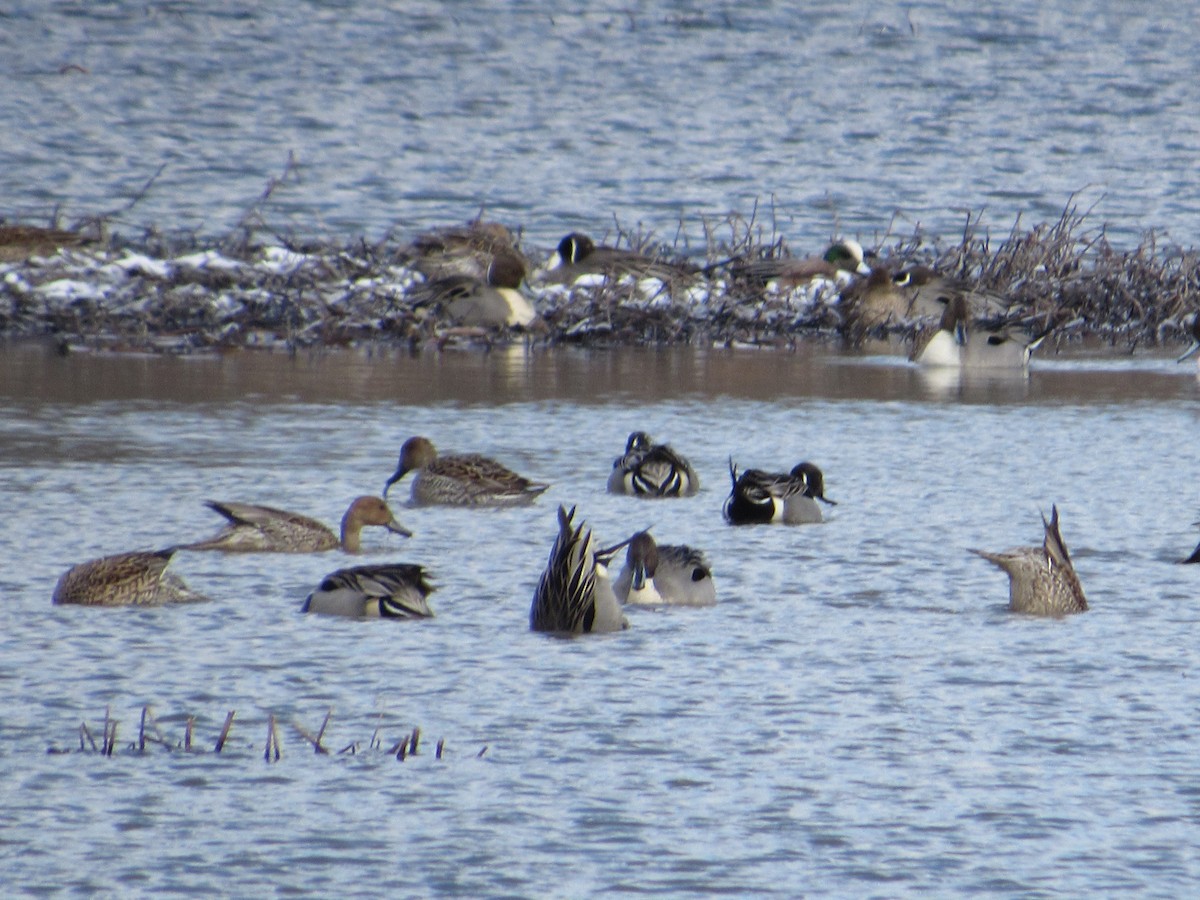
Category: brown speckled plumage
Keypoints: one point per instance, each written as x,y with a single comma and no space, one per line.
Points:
126,579
1042,580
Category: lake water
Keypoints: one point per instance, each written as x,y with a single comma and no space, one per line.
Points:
859,714
560,116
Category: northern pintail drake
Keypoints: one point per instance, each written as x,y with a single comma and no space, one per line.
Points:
1194,328
647,469
1195,557
841,261
1042,580
955,343
759,497
264,529
575,594
664,575
492,301
466,479
578,255
396,591
126,579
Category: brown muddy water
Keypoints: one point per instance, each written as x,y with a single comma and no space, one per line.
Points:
859,714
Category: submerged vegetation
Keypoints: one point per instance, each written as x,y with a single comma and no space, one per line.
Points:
86,288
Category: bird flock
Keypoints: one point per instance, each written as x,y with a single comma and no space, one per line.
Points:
575,593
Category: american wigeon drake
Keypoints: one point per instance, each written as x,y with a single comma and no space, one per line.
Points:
1194,329
490,302
465,479
578,255
664,575
1042,580
473,250
126,579
395,591
264,529
758,497
575,594
842,260
956,343
647,469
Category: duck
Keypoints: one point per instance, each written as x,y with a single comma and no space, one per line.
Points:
843,259
647,469
1042,580
466,479
22,242
264,529
1195,557
125,579
390,591
471,250
759,497
1194,328
495,300
575,594
664,575
955,344
578,255
928,292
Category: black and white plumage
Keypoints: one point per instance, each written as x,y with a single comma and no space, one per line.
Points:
758,497
574,594
390,591
647,469
664,575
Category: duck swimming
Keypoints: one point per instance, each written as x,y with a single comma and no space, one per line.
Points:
648,469
664,575
758,497
125,579
465,479
395,591
264,529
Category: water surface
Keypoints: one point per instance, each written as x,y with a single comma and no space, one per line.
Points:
859,715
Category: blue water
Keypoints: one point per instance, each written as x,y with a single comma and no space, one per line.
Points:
858,716
855,119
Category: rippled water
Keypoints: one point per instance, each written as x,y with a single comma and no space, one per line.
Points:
557,116
859,715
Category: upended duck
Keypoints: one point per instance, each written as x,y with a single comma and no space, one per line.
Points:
758,497
574,594
1042,580
647,469
465,479
264,529
125,579
664,575
392,591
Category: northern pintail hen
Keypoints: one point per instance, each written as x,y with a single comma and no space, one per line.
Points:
955,342
396,591
648,469
578,255
575,594
495,300
126,579
758,497
664,575
264,529
466,479
473,250
1042,580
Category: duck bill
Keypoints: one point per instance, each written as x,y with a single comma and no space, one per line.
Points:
396,477
397,528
